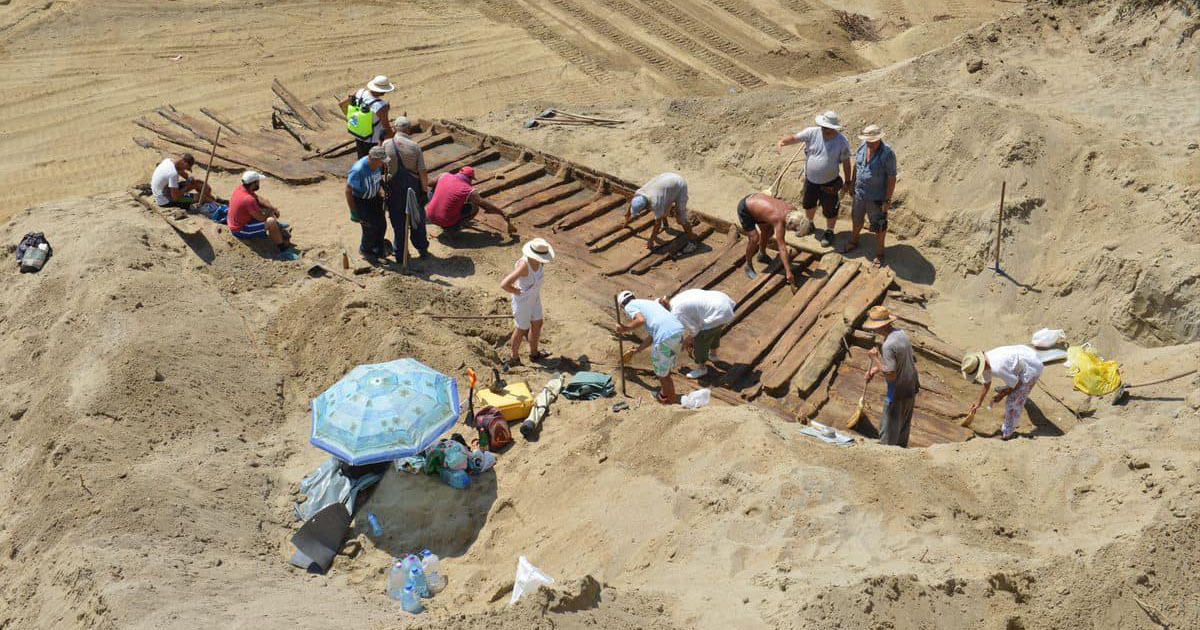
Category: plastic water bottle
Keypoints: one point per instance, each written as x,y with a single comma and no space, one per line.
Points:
34,258
409,600
396,579
374,522
433,571
455,478
416,579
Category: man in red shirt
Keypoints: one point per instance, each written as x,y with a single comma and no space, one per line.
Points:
455,202
252,216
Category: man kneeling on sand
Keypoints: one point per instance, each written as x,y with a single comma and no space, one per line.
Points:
665,342
252,216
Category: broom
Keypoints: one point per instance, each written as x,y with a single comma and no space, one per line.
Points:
772,189
862,400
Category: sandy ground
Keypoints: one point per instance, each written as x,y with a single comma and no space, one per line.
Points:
154,391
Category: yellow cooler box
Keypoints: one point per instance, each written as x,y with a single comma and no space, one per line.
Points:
514,401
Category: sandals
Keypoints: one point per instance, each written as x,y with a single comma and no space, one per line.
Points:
849,247
879,261
540,355
510,364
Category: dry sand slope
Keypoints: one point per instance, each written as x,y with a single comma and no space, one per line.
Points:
154,392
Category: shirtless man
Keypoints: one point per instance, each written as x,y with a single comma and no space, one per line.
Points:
760,215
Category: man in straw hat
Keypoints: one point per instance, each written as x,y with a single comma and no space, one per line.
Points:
662,193
824,149
367,114
1019,368
760,216
665,342
525,286
893,359
703,315
874,182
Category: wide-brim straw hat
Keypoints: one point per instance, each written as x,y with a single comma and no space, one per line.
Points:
973,366
539,250
878,317
871,133
380,84
829,119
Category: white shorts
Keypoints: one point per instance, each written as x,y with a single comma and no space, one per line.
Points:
527,310
680,210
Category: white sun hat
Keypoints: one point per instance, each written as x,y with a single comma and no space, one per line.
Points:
249,177
829,119
871,133
539,250
380,84
624,297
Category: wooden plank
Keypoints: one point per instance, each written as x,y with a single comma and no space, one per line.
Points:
809,359
544,216
648,263
184,225
597,209
221,121
514,177
271,165
701,265
457,160
715,273
474,159
658,254
517,193
934,397
606,236
280,121
771,364
550,195
436,140
297,107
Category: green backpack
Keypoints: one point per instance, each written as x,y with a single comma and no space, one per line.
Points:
589,386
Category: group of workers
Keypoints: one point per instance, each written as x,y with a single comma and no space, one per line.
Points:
390,182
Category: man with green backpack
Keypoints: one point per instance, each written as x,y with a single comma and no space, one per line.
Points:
367,114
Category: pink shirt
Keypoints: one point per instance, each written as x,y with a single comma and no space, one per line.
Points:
242,206
452,191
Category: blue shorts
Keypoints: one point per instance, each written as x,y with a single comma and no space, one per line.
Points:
256,229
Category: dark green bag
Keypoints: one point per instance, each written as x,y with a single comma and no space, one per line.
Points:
589,386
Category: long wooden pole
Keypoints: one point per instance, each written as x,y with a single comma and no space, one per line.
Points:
1000,224
620,346
211,156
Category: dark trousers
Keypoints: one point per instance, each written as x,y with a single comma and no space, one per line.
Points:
362,147
896,421
397,205
373,224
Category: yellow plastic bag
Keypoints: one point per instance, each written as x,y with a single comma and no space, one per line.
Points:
1093,375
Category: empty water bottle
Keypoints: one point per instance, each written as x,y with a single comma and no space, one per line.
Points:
374,522
433,571
455,478
416,579
409,600
396,579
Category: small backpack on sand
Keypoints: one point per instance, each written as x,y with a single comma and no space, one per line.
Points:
493,429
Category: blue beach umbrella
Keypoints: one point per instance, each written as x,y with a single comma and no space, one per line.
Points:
384,411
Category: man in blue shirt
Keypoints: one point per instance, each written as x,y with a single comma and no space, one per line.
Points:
665,342
874,182
364,196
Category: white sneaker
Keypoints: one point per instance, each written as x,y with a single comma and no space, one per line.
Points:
698,372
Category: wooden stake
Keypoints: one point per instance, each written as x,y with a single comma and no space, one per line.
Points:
620,346
1000,224
208,170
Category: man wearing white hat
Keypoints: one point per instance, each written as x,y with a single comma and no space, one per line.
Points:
662,193
252,216
874,182
894,359
525,286
824,149
665,342
367,114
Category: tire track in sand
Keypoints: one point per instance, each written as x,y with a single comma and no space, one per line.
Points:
665,65
513,13
652,23
755,18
